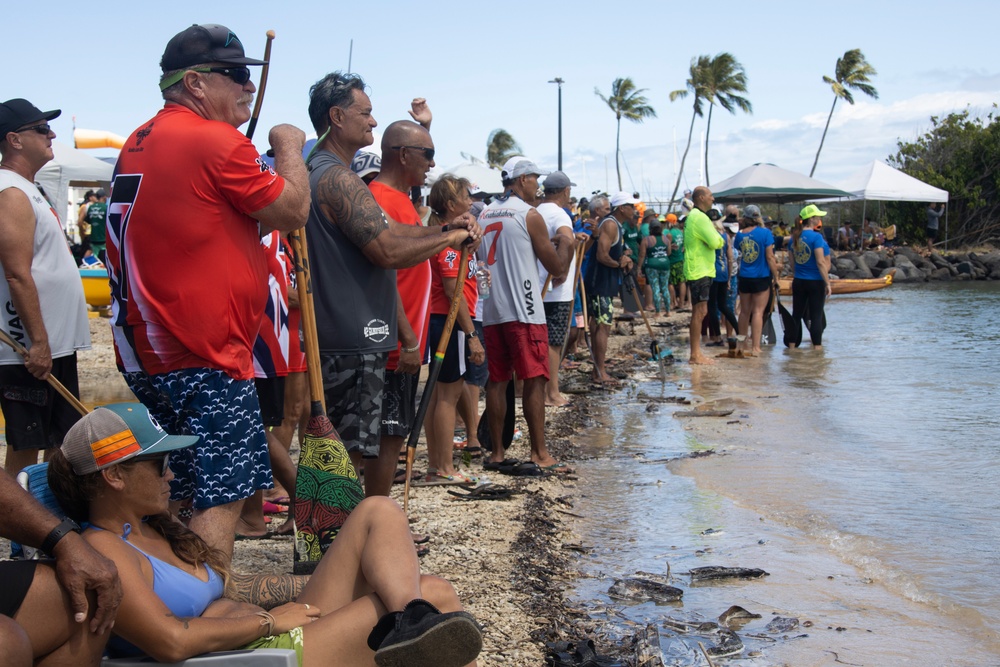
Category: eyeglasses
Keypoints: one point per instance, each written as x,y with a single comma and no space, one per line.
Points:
162,459
238,74
428,152
44,128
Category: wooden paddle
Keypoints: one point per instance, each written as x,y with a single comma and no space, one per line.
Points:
262,86
51,379
435,371
326,486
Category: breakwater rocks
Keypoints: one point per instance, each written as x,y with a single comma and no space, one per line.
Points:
913,266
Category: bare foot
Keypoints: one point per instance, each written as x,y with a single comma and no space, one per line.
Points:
701,360
556,402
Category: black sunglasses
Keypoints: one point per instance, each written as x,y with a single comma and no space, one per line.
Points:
238,74
162,459
428,152
44,128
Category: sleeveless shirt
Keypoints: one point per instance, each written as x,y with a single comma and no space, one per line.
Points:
516,293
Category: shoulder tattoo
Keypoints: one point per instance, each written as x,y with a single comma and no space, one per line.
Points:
349,204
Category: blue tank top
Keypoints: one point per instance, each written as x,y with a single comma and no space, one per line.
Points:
184,594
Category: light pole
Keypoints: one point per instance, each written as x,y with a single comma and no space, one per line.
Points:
559,82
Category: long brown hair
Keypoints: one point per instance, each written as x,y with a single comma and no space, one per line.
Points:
74,493
797,229
446,189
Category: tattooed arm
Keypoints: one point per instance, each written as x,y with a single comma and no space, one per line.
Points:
265,590
349,204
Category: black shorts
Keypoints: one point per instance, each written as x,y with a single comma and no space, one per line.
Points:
932,234
17,576
557,315
271,396
754,285
700,289
399,403
37,417
456,356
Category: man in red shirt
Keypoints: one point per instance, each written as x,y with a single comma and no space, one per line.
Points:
353,248
189,198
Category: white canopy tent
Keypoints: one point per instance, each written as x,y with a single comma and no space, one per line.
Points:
483,176
880,182
71,167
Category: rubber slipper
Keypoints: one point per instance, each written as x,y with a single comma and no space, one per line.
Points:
274,508
559,469
437,479
487,492
524,469
247,538
281,500
495,466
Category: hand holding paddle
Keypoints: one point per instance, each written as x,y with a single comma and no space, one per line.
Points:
51,379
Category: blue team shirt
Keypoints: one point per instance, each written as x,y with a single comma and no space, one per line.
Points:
753,252
722,261
805,255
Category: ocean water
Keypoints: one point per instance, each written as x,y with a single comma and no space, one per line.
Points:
864,477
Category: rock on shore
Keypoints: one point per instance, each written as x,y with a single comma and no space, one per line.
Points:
912,265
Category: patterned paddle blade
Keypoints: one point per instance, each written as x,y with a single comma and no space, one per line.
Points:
326,490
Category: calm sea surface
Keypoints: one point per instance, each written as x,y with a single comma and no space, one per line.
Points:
864,477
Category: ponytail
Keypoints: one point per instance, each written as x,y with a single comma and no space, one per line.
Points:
797,229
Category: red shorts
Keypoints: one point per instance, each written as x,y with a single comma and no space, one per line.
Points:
518,346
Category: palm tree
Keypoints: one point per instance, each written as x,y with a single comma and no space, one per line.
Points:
695,84
629,102
500,147
724,79
852,72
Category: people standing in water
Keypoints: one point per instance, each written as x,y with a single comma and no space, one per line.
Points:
811,284
758,271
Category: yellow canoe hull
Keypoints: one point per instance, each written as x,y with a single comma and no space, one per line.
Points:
847,286
96,289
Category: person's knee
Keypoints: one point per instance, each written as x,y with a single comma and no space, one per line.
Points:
439,592
16,645
379,509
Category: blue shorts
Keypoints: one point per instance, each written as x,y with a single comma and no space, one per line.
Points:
477,374
230,462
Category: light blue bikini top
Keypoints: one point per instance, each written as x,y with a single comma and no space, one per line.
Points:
183,593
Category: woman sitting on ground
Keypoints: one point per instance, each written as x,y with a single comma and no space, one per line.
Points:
449,200
366,601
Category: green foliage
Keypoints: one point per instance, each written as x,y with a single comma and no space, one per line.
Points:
627,102
500,147
960,154
722,82
696,84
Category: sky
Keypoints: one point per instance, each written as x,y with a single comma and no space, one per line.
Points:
483,66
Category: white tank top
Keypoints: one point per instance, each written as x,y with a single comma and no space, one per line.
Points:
516,292
57,279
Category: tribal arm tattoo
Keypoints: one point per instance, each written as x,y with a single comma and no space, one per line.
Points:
347,202
265,590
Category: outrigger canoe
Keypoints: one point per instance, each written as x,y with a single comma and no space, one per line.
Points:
96,289
846,286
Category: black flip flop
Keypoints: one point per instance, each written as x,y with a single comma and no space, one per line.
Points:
486,492
584,654
496,467
522,469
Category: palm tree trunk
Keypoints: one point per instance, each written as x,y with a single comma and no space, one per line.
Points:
708,130
680,172
618,152
816,161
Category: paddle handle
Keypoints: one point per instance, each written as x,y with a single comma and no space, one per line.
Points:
435,370
52,380
263,85
307,309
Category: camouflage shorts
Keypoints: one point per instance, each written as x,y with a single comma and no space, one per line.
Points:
602,310
353,386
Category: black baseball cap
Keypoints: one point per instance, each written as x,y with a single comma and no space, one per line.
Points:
208,43
19,112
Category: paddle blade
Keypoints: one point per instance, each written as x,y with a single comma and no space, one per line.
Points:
326,491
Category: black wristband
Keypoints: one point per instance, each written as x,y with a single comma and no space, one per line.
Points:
444,229
52,539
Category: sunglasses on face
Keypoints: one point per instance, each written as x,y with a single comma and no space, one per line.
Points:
44,128
238,74
428,152
162,459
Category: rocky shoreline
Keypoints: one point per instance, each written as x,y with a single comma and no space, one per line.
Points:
917,265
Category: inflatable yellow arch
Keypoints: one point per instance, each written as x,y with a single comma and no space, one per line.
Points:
97,139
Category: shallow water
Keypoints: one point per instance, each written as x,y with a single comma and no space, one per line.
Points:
864,477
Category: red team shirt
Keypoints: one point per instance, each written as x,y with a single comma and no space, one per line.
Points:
445,265
414,283
187,271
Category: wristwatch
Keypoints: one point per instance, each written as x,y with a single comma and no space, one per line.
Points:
473,334
62,530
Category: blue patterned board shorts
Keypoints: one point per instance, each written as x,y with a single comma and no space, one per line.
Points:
230,462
